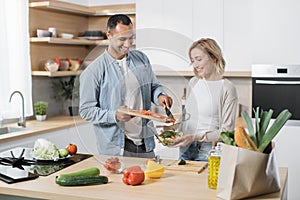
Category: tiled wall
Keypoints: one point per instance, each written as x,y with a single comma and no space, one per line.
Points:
174,86
43,91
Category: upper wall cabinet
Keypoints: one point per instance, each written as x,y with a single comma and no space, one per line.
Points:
72,19
167,28
208,20
249,31
276,31
237,47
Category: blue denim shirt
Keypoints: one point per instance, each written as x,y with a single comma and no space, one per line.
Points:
101,94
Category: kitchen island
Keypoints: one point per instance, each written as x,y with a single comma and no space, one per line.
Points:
176,183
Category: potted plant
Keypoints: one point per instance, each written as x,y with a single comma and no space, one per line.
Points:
69,90
40,110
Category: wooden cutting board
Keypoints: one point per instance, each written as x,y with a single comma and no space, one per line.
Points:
190,166
138,114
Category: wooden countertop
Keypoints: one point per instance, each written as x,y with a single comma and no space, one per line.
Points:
34,127
176,184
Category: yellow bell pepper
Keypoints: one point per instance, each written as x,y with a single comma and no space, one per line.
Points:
154,170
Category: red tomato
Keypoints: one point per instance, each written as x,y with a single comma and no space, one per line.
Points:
72,149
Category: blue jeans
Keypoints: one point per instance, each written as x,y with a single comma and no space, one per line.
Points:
197,151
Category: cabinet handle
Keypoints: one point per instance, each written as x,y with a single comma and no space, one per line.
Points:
277,82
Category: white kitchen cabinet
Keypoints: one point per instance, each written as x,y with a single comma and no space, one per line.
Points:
164,33
287,154
166,29
82,135
208,20
276,32
249,31
238,44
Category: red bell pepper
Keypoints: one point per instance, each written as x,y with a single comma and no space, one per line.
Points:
133,175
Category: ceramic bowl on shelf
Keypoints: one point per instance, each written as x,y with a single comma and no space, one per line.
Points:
64,65
66,35
43,33
51,66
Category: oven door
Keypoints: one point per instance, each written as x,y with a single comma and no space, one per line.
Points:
277,94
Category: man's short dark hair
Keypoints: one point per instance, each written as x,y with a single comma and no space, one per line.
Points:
114,20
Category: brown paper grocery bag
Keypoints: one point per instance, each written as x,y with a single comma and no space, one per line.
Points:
245,173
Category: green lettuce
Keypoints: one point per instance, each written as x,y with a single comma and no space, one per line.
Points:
45,150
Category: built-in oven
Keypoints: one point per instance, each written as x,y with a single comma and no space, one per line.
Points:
277,87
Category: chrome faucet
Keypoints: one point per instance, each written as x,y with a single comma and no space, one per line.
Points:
22,120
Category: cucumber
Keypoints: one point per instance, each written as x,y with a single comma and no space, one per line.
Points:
81,180
94,171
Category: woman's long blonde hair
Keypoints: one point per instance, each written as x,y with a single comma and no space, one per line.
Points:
211,47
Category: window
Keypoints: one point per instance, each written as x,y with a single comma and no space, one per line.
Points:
15,66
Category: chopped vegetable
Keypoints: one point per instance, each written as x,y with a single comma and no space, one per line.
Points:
167,137
113,164
182,162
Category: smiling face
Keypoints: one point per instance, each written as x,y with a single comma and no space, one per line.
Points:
120,40
203,64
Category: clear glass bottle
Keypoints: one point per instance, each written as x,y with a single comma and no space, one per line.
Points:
183,99
214,159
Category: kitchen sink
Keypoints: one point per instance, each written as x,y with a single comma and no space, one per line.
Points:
4,130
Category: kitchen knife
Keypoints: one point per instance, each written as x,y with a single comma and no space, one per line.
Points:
168,112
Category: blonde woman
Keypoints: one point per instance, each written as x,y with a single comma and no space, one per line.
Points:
211,100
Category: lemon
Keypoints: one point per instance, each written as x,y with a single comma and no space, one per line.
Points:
154,170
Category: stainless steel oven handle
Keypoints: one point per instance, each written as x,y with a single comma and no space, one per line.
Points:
268,82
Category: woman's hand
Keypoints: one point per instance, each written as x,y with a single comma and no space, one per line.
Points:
183,141
186,139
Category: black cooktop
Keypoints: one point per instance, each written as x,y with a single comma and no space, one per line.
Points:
18,165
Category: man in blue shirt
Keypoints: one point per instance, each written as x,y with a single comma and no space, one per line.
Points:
120,78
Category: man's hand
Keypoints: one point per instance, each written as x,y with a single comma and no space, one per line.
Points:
165,101
122,117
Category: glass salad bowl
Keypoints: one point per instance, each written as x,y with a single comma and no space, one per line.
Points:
167,132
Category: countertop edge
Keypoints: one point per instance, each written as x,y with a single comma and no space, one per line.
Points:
35,127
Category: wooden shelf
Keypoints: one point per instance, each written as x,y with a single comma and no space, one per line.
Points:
56,74
52,40
53,13
84,10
